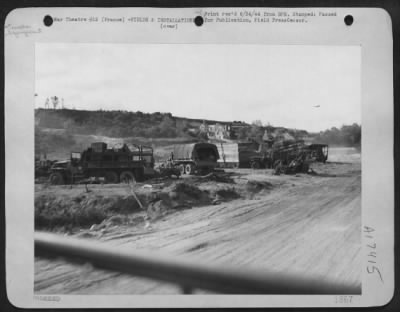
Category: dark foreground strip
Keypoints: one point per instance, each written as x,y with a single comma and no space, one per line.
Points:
189,275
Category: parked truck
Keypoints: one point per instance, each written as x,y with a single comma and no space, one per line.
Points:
112,165
295,156
269,154
195,157
254,155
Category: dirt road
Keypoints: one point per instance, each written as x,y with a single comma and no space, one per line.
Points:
305,224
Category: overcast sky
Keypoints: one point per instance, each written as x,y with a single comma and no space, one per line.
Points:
279,85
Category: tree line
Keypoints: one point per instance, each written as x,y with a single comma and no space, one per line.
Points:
114,123
125,124
347,135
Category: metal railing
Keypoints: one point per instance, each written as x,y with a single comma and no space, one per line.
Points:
189,275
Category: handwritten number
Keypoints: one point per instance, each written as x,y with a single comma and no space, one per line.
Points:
374,269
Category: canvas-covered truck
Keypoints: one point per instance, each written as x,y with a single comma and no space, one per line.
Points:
112,165
195,157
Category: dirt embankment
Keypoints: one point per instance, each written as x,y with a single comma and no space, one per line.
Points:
72,209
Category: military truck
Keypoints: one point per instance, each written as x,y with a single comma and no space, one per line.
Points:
286,150
254,155
110,165
268,154
195,157
294,156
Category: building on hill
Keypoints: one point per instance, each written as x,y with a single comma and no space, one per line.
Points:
216,131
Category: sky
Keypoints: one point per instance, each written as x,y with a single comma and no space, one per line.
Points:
303,87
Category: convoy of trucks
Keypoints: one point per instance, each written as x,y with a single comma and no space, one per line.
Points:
136,162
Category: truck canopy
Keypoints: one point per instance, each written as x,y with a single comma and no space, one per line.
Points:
196,151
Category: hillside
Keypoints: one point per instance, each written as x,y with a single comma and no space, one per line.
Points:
113,123
124,124
57,132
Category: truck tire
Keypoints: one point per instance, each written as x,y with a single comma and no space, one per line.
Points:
182,169
126,177
111,177
189,169
56,178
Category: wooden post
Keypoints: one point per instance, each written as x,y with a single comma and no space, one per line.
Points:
135,196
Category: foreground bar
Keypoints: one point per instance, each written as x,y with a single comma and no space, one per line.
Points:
187,274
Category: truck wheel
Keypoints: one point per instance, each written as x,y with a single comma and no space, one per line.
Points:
126,177
189,169
182,169
111,177
56,178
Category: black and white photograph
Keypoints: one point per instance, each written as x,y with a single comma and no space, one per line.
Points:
247,156
186,161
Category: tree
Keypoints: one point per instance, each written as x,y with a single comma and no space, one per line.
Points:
347,135
167,127
257,123
256,131
182,126
55,101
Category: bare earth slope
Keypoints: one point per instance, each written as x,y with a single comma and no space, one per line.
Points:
306,224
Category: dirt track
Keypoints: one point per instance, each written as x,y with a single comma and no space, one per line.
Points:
306,224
